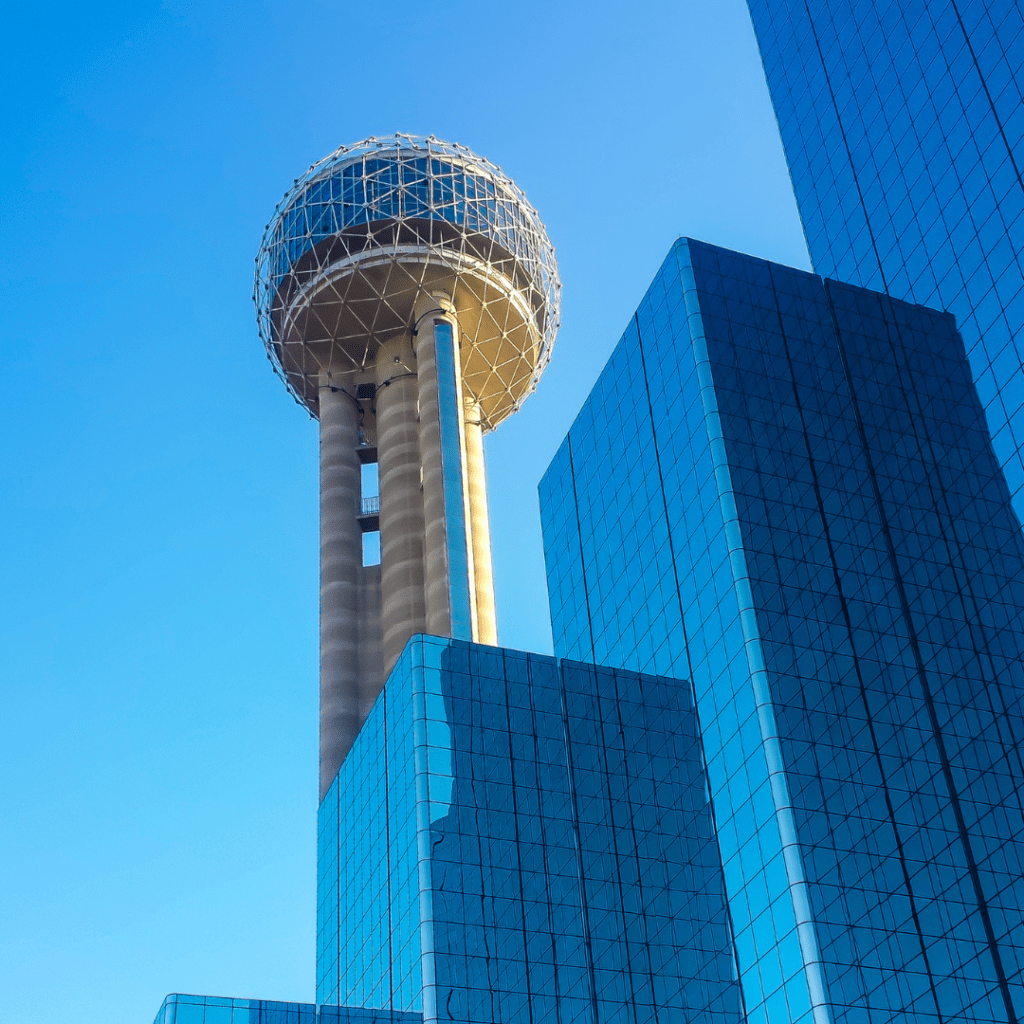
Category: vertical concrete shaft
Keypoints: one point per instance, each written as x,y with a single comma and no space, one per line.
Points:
439,620
486,631
403,610
340,562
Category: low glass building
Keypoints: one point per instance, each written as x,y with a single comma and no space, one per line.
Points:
519,839
189,1009
783,489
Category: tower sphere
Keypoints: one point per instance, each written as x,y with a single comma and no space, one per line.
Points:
374,228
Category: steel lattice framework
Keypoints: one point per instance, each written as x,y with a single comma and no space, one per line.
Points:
371,227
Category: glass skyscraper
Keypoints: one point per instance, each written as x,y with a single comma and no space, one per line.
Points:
783,490
903,125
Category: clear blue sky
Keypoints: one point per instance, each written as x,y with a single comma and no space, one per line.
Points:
158,510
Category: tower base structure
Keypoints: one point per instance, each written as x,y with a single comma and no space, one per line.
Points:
412,415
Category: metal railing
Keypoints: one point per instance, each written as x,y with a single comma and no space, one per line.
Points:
369,506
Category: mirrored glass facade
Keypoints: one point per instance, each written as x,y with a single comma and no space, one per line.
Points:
783,489
903,125
519,839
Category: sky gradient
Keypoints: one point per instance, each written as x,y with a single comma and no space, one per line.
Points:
158,499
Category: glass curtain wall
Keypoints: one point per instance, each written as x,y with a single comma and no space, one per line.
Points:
783,489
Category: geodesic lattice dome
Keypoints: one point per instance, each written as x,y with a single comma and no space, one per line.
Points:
371,228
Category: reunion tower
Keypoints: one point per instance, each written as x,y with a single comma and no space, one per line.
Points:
407,294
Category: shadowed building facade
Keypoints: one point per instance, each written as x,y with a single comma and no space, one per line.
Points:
903,126
783,489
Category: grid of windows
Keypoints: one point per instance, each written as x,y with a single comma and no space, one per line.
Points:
783,489
903,125
555,832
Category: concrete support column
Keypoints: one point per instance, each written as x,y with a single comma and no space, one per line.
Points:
340,562
403,610
439,620
486,631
